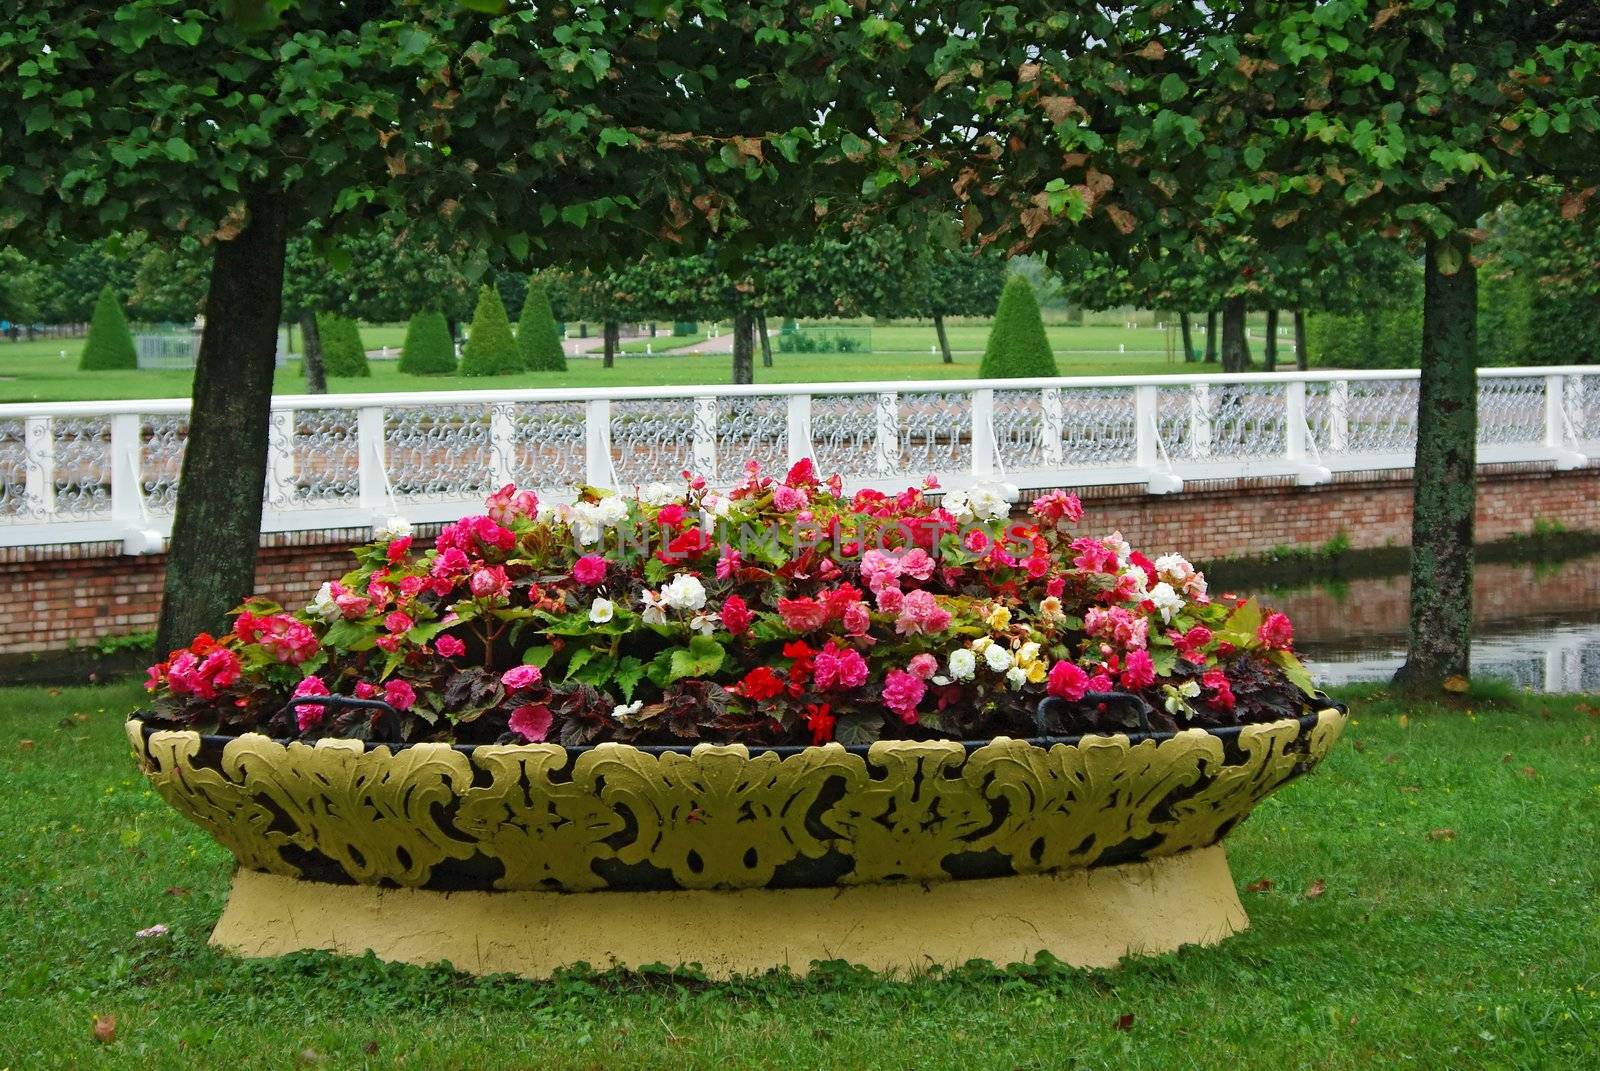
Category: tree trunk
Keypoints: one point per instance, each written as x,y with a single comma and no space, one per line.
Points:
944,339
1187,330
1234,356
1211,337
1271,364
766,343
1444,479
1302,356
613,331
216,529
316,378
744,348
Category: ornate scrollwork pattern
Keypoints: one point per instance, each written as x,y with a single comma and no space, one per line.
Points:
539,817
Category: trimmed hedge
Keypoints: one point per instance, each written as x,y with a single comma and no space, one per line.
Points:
537,338
490,349
428,350
343,353
110,344
1018,348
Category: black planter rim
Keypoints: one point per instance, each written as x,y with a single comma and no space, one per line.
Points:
1225,732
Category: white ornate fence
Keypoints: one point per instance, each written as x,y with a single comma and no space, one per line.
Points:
86,471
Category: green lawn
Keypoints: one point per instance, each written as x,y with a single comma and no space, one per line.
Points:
34,371
1479,948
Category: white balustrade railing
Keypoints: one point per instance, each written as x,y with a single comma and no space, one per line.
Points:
88,471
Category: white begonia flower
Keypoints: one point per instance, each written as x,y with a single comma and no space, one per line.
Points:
684,592
393,528
1016,677
704,622
1050,606
1120,545
1141,579
998,658
1174,568
622,710
986,502
611,511
1027,653
717,505
658,494
963,664
940,679
584,518
602,610
322,603
1167,602
654,609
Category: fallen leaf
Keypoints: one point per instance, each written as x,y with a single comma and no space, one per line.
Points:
1316,889
370,1048
1264,885
1506,757
1359,745
1403,720
53,692
105,1029
1529,772
158,930
177,890
1391,758
24,745
1125,1021
309,1057
1442,834
1410,788
1457,685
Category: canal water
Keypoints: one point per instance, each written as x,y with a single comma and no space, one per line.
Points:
1536,625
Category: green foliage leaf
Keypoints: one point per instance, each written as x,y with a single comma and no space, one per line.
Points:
701,658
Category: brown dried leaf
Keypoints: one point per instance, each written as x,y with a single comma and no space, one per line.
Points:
1316,889
1385,15
1457,685
1027,73
1125,1021
1058,109
1263,885
1153,51
105,1029
1442,834
1530,773
1121,219
177,890
24,745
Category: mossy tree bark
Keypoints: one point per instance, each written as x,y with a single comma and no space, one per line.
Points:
1235,358
1186,327
613,333
1302,356
1270,350
766,342
944,339
1444,479
316,375
216,529
744,370
1211,337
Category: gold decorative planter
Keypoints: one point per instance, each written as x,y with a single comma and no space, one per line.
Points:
524,858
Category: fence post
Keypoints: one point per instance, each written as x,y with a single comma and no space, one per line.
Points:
1294,420
1339,416
983,433
705,436
127,505
1145,401
502,445
1557,423
597,443
886,446
280,459
1050,426
372,483
799,434
1200,420
39,450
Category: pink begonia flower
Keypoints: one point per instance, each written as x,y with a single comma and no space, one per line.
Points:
729,563
976,540
839,668
308,715
1055,586
856,620
1123,627
736,615
367,690
490,582
388,642
589,570
803,614
1138,671
902,692
1100,682
788,499
1217,681
531,721
923,666
916,563
1067,681
450,562
889,600
379,593
802,473
288,640
397,549
672,515
920,613
400,695
411,586
1276,632
397,622
449,646
349,603
1094,556
519,677
509,503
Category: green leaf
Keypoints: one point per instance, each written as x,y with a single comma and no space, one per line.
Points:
1294,671
629,672
538,656
853,730
579,658
703,656
1172,88
188,33
596,671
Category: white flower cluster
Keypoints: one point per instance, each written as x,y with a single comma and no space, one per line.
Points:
982,502
323,606
392,529
589,520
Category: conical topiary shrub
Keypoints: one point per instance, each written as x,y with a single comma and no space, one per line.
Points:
537,338
109,344
343,353
490,349
1018,348
428,350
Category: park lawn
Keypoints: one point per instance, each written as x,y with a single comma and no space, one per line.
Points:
34,371
1473,948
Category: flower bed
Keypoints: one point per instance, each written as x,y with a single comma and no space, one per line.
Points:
779,612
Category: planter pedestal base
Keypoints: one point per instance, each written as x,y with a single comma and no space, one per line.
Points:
1089,918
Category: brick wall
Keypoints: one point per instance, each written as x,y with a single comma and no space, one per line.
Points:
59,596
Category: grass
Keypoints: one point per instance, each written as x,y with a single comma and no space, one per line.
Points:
35,371
1476,949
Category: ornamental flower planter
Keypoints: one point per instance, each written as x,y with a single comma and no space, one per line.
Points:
1063,786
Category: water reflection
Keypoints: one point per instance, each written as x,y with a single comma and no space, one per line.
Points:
1537,626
